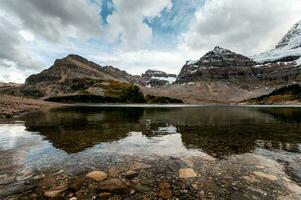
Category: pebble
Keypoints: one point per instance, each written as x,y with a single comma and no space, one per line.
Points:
55,193
97,175
112,185
142,188
104,195
165,193
131,174
164,184
76,185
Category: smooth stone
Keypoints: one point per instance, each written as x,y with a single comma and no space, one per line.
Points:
131,174
104,195
165,193
113,185
266,176
142,188
194,186
97,175
56,192
187,173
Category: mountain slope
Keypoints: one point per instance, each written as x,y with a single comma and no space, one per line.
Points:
283,95
223,76
75,79
218,64
288,48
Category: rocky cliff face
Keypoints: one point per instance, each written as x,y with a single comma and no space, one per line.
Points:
218,64
156,78
227,66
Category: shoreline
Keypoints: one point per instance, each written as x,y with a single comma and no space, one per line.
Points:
12,106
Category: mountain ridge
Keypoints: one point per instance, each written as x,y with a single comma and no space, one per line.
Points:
219,76
287,49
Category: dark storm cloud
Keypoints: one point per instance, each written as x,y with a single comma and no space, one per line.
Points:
55,19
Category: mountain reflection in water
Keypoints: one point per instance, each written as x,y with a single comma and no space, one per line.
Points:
217,131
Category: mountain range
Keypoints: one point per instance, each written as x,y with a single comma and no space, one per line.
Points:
219,76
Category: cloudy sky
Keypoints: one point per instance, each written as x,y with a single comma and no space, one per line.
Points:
135,35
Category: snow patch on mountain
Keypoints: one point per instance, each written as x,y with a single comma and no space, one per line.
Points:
298,62
168,79
289,47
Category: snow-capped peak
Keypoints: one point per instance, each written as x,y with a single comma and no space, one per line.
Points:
220,50
288,49
292,38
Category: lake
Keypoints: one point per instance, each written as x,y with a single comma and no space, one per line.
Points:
177,152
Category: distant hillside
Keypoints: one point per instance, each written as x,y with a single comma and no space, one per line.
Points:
283,95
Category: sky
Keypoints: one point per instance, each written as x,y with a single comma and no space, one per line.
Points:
135,35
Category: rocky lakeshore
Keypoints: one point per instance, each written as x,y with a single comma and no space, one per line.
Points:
239,177
11,106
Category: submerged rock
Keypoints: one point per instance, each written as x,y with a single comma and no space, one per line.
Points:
131,174
165,191
55,192
187,173
266,176
76,185
138,166
113,185
97,175
142,188
164,184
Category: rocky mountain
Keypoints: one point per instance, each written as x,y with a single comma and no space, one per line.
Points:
76,79
223,76
288,49
156,78
218,64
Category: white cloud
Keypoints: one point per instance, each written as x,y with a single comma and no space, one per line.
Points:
27,35
11,73
248,26
13,47
127,22
137,62
25,25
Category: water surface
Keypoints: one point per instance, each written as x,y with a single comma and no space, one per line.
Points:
217,139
